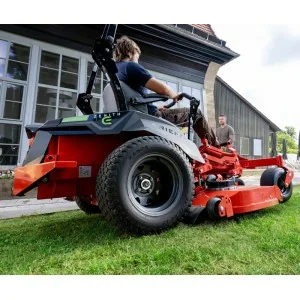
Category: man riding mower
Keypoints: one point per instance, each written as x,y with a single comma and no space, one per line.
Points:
139,171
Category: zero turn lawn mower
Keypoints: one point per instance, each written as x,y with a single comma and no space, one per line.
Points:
139,171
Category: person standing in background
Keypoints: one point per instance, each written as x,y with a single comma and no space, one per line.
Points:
224,133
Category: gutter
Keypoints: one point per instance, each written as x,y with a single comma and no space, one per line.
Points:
199,39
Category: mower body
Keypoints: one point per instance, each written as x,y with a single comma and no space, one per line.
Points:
139,171
66,154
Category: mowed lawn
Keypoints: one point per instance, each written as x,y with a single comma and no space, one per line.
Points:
265,242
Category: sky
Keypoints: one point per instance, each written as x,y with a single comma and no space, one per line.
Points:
267,72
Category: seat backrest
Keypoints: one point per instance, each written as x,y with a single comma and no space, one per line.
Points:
110,103
109,100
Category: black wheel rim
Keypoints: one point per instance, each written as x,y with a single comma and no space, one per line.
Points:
281,185
155,184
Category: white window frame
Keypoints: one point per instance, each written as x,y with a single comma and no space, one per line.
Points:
57,87
241,143
261,147
31,85
182,82
95,95
12,38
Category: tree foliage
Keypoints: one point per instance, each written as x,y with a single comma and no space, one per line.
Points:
289,135
291,131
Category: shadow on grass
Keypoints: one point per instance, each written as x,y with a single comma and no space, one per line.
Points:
65,231
204,219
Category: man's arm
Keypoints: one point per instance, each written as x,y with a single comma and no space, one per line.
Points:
231,135
161,88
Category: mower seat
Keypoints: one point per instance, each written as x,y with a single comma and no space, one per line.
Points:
110,103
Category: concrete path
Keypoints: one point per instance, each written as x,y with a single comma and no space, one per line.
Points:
25,207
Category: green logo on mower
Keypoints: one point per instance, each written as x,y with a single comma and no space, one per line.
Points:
75,119
106,120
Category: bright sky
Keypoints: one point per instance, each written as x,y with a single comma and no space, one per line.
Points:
267,73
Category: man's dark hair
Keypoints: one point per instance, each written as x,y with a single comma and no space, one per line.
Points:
124,48
222,116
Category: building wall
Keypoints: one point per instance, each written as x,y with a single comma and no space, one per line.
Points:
51,76
247,123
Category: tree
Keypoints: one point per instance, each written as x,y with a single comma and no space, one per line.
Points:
291,144
291,131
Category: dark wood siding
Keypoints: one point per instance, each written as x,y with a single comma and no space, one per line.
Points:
243,118
157,54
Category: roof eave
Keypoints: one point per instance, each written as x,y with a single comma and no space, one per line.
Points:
201,41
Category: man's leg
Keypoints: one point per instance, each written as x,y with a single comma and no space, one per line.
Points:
180,117
203,130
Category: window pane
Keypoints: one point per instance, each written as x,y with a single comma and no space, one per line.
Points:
68,80
257,147
173,86
12,110
17,70
185,102
46,96
197,94
14,92
65,113
8,155
50,60
44,113
97,85
244,146
2,66
48,76
3,47
90,69
10,133
67,99
19,52
70,64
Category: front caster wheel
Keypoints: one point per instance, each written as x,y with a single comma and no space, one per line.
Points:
212,207
276,176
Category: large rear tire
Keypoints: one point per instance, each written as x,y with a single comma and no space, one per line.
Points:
276,176
145,186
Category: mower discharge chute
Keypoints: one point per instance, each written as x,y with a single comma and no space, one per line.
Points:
139,171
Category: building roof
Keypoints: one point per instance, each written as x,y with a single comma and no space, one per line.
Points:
273,126
203,33
205,28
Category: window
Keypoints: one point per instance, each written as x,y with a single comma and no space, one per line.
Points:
180,85
9,143
14,65
173,86
99,84
14,61
190,91
257,147
244,146
57,87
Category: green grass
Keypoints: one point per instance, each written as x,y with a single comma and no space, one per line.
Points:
265,242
